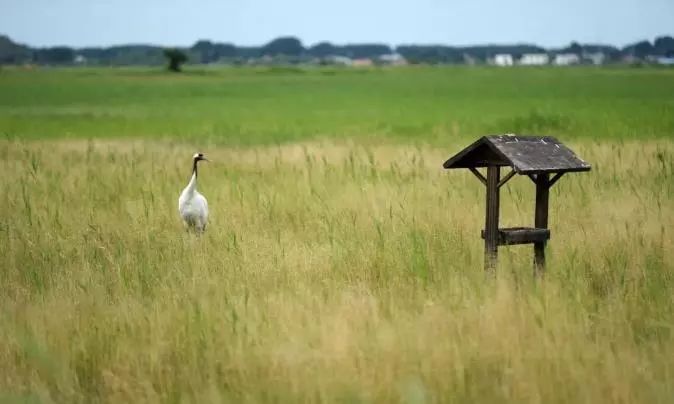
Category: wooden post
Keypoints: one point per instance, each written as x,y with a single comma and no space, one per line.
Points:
491,221
541,220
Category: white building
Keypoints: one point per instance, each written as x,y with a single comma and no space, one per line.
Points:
503,59
534,59
338,60
395,59
665,61
566,59
596,58
362,62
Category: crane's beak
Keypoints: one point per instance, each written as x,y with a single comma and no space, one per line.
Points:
205,159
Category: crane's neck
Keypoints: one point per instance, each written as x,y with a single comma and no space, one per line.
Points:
194,169
192,185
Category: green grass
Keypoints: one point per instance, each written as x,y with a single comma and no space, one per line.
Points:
341,263
263,106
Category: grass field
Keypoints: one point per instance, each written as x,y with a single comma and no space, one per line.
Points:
272,105
341,264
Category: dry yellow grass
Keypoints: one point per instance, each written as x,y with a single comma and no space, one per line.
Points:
329,272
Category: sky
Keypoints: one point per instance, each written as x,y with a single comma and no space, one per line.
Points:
548,23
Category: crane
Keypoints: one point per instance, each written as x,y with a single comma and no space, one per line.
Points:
192,205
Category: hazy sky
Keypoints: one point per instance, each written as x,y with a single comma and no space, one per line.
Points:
254,22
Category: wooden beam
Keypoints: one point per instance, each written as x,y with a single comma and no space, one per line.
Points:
554,179
521,235
541,220
478,175
506,178
491,237
532,177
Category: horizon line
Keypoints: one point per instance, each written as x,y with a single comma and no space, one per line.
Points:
366,42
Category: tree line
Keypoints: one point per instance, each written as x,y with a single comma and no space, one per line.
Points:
291,50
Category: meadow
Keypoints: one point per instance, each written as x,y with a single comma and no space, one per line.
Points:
341,263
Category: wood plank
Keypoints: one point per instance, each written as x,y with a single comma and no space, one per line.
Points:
506,178
541,220
526,154
554,179
478,175
521,235
491,219
538,154
481,153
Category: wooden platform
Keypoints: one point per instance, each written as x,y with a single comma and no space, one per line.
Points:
521,235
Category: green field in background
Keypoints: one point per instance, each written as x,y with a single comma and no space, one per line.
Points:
274,105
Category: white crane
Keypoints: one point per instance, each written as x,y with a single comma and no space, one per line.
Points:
192,205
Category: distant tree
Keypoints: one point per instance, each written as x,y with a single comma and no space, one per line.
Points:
430,54
175,57
248,52
664,46
208,52
366,50
639,49
205,52
13,53
56,55
575,48
225,50
289,46
324,49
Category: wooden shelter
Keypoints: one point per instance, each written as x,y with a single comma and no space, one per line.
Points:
541,158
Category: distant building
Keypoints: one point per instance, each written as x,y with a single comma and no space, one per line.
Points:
80,60
503,59
566,59
628,59
665,61
364,62
338,60
393,59
534,59
470,60
264,60
594,58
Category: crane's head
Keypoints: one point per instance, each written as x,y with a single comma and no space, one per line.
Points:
199,157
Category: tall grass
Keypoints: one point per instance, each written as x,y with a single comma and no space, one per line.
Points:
331,271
